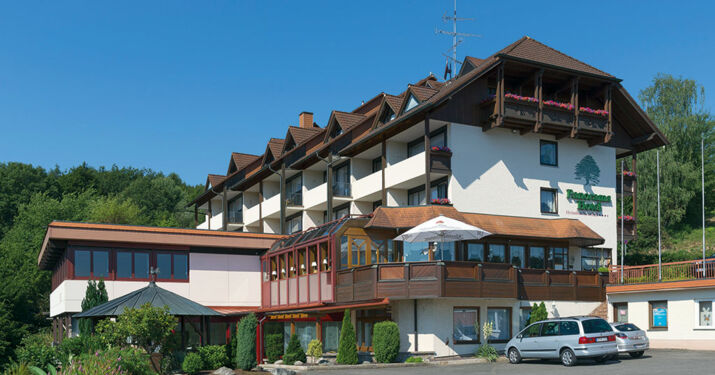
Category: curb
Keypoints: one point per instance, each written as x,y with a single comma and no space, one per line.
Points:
453,362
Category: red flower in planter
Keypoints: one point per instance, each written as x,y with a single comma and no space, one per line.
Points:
553,103
441,201
440,148
530,99
600,112
629,173
627,218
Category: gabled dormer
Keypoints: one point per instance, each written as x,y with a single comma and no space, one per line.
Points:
469,64
273,151
389,107
212,180
414,96
341,122
239,161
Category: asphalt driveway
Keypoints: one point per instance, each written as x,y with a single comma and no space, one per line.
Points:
654,362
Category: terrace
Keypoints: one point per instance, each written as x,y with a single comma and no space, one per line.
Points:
690,273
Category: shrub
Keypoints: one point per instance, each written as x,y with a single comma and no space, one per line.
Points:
538,313
192,363
414,360
37,350
274,346
76,346
386,341
294,352
246,345
135,361
231,349
100,363
17,369
347,350
315,349
487,352
603,269
214,356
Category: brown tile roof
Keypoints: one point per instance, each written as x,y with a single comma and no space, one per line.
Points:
301,135
511,226
435,84
529,49
474,61
215,179
241,160
348,120
370,104
422,93
275,145
395,102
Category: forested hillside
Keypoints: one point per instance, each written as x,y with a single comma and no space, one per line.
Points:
31,197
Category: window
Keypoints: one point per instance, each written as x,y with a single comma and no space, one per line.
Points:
415,147
411,103
302,270
559,258
620,312
536,257
548,201
387,115
438,138
416,196
549,153
376,204
344,246
305,332
124,264
82,263
500,317
172,266
465,322
294,223
274,269
705,314
592,259
331,336
235,209
444,251
313,259
292,271
658,314
377,164
100,263
497,253
294,191
475,252
627,327
341,211
131,264
533,331
163,263
325,261
141,265
524,315
416,251
517,255
181,266
337,130
551,329
596,326
282,265
569,328
341,180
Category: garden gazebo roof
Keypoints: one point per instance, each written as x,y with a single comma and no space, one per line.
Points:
154,295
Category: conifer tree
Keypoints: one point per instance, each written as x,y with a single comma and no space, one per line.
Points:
347,351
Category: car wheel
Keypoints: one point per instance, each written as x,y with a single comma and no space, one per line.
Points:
514,356
636,354
568,359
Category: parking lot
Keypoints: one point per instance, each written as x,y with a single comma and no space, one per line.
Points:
655,362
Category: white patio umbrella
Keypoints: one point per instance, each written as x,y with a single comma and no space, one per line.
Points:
442,229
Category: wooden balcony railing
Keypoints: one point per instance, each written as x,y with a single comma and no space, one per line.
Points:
674,271
466,279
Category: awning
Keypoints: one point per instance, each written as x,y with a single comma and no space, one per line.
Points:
154,295
333,307
571,230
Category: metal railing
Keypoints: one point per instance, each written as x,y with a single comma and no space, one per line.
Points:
235,216
341,189
294,199
674,271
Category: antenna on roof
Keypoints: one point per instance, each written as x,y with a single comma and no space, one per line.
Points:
455,41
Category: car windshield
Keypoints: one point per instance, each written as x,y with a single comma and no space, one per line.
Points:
627,327
596,325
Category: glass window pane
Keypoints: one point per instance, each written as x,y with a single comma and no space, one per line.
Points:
533,330
163,262
464,329
344,252
705,313
622,313
475,252
82,265
415,148
517,256
416,251
524,315
305,332
124,264
569,328
331,336
551,329
444,251
501,321
548,201
217,333
548,153
536,257
438,140
100,263
141,265
181,267
496,253
558,258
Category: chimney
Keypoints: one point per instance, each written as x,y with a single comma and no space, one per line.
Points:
305,119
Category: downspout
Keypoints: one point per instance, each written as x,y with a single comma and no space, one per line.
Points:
281,176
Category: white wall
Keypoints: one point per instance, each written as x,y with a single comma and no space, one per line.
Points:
214,280
682,332
498,172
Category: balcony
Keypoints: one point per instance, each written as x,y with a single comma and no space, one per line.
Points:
294,198
629,229
628,184
341,189
692,270
466,279
272,207
251,215
315,198
368,187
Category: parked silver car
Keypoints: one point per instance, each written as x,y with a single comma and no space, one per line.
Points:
568,339
630,339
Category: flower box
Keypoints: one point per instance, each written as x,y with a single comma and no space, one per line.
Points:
441,160
557,115
441,149
629,174
591,121
441,202
627,218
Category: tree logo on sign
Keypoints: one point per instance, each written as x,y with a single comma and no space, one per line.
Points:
588,171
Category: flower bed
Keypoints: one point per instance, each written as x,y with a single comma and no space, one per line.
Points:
441,201
552,103
600,112
441,149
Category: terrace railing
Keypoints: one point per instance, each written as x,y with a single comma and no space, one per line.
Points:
673,271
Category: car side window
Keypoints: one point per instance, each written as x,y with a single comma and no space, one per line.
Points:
569,328
551,329
532,331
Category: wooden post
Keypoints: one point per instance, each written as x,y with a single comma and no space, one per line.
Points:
428,151
609,108
260,206
283,198
224,207
196,215
210,215
384,165
634,163
574,102
329,187
539,93
500,95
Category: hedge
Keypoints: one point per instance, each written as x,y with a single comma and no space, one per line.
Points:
246,343
386,341
294,352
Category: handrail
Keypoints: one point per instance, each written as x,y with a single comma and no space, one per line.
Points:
671,271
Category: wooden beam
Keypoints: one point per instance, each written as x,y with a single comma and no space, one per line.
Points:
539,95
609,108
329,183
428,148
383,157
210,215
283,199
260,206
574,102
500,95
224,207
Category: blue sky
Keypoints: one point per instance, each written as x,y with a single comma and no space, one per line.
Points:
175,86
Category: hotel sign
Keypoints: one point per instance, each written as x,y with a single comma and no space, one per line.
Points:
588,201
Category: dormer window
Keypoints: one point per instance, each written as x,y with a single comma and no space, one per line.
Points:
411,103
387,116
337,130
290,145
